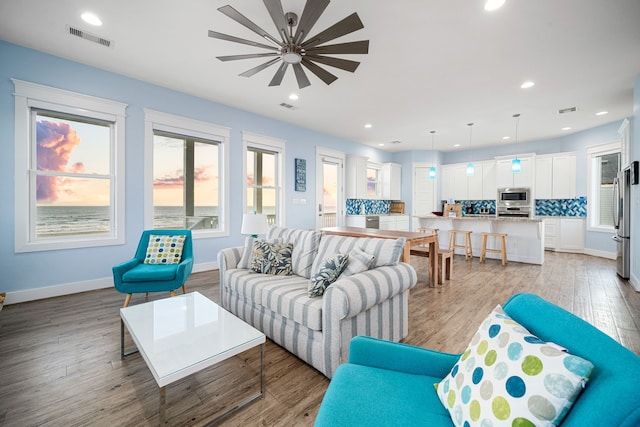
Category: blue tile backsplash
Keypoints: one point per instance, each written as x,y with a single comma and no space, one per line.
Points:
371,207
562,207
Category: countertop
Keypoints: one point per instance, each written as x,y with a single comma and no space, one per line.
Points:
477,217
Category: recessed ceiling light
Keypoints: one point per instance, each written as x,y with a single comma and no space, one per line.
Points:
368,126
92,19
293,96
527,84
601,113
381,145
566,128
493,4
506,137
456,145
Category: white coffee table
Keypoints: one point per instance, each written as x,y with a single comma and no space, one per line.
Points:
185,334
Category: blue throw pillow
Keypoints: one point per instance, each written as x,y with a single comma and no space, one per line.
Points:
327,273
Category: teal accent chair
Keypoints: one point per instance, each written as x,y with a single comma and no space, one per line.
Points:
391,384
134,276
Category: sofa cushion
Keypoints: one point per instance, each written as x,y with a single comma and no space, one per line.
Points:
271,258
150,273
327,273
305,246
247,251
290,299
507,376
385,251
163,249
359,261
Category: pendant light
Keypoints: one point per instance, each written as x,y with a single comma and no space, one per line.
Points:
515,163
470,168
432,169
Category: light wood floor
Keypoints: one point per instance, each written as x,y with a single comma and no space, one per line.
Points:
60,363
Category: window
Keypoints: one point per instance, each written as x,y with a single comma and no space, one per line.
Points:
69,169
374,188
604,164
263,176
186,181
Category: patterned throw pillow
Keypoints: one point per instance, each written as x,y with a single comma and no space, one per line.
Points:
328,273
247,253
359,261
164,249
509,377
272,258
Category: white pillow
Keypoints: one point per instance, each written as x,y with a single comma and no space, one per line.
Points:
359,261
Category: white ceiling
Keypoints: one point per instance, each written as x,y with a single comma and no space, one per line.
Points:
432,64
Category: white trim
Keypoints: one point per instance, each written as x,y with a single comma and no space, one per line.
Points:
158,120
268,143
600,254
339,157
635,283
77,287
593,196
28,95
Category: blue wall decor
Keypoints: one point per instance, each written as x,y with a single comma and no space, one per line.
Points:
301,175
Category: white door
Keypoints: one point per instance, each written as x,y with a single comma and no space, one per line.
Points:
423,193
330,202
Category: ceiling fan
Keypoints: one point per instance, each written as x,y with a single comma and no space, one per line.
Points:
297,49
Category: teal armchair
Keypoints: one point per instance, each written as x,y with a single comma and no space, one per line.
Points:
134,276
387,383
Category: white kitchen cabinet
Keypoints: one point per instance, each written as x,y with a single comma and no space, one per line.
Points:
571,235
394,222
448,189
402,222
356,174
506,178
489,187
475,182
391,181
359,221
555,176
551,233
460,182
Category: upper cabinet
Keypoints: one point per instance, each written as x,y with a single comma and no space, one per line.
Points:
505,177
391,181
555,176
489,187
625,140
457,185
356,175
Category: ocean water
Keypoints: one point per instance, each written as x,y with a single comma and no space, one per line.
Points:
61,220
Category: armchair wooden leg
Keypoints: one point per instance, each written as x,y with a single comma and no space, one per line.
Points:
127,300
172,293
184,289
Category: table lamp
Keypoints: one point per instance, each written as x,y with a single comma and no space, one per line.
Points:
254,224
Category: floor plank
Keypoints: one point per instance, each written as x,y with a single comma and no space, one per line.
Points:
61,364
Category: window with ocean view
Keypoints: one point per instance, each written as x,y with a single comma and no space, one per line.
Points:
67,144
263,171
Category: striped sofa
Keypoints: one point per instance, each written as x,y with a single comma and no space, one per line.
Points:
319,330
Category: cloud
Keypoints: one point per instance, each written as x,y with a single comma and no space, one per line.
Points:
176,180
55,144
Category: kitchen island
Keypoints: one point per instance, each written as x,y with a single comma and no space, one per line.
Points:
525,240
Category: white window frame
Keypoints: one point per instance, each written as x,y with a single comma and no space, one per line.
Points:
267,143
593,200
157,120
31,95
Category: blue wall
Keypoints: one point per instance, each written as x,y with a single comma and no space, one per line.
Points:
25,271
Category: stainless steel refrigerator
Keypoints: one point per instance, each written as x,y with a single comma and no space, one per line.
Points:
622,220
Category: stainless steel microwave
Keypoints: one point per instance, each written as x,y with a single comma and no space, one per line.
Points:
511,196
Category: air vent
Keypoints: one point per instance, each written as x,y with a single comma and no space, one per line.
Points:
88,36
567,110
287,106
396,142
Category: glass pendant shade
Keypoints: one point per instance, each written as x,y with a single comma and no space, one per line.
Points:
432,169
470,169
515,165
432,172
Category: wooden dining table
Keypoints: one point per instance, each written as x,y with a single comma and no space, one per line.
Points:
412,239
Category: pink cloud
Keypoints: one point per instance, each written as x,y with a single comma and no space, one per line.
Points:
55,144
177,179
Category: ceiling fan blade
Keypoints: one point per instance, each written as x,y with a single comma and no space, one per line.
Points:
301,77
312,11
322,74
348,25
360,47
248,56
343,64
278,76
277,15
259,68
243,20
221,36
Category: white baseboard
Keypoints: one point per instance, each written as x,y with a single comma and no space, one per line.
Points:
601,254
635,283
76,287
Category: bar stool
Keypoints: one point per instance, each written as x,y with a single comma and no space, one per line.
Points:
453,242
503,246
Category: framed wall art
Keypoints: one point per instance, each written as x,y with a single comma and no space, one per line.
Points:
301,175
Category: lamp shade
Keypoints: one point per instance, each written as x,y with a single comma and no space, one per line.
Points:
432,173
470,169
515,165
254,224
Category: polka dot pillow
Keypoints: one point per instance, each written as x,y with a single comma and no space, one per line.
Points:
509,377
164,249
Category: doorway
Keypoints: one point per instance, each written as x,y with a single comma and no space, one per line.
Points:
423,192
330,188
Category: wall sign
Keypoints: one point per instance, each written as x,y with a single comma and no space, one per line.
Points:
301,175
